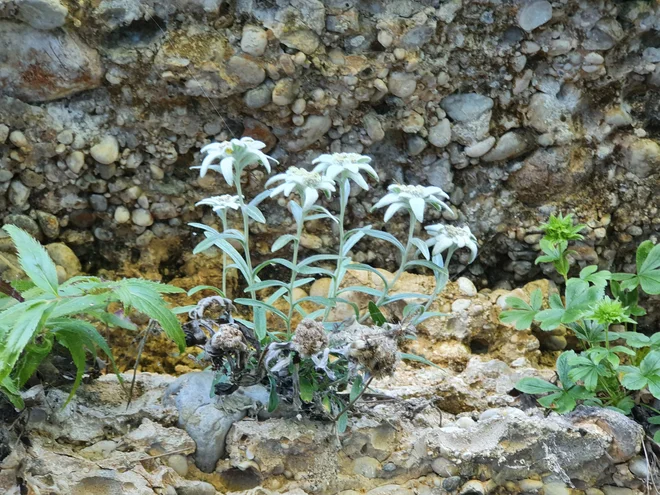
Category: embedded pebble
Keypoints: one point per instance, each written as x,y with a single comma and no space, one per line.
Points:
258,97
254,40
122,214
466,287
534,14
4,133
75,161
284,92
249,73
402,84
18,193
480,148
440,134
142,217
106,151
18,139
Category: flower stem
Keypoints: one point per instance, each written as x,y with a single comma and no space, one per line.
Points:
246,228
223,218
294,273
437,289
336,280
399,272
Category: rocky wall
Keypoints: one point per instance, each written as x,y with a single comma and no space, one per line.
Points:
516,109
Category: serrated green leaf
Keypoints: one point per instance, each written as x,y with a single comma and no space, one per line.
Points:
535,386
145,298
75,346
9,388
34,259
33,355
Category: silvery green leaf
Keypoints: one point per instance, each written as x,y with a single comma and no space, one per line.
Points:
423,248
384,236
260,197
282,241
352,241
254,213
296,211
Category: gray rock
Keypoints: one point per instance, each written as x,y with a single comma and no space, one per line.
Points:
196,488
258,97
452,483
4,133
304,40
99,202
534,14
24,222
249,73
18,193
440,134
142,217
75,161
254,40
417,37
402,84
42,14
510,145
466,107
46,65
206,419
639,466
315,127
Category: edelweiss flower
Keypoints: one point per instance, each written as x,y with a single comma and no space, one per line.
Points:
450,237
346,165
228,152
413,197
306,183
220,203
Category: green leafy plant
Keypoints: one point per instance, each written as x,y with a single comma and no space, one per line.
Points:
318,378
36,315
613,366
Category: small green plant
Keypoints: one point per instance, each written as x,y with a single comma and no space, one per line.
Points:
35,315
612,366
278,357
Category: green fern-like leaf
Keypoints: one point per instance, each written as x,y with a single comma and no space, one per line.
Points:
34,259
145,297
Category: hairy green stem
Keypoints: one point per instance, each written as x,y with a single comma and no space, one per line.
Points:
399,272
223,218
336,280
246,228
294,273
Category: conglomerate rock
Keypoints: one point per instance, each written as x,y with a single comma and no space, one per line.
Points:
516,109
398,443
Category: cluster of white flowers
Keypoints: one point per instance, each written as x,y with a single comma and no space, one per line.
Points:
331,168
229,153
449,237
414,198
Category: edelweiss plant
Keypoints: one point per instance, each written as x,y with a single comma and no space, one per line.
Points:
310,367
36,314
613,369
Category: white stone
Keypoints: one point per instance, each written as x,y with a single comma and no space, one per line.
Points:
18,139
18,193
466,287
440,134
106,151
480,148
534,14
122,215
460,305
142,217
465,422
4,133
75,161
254,40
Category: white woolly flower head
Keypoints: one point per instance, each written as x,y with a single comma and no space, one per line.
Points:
221,203
449,237
245,151
414,198
306,183
346,166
